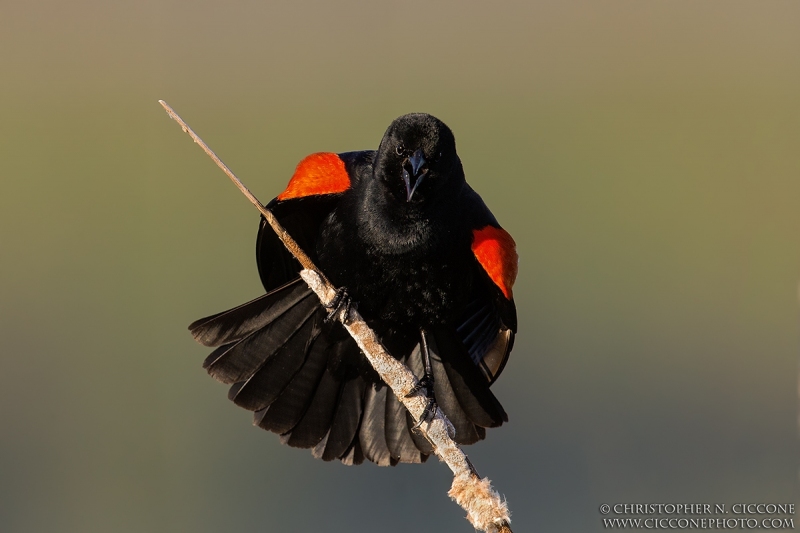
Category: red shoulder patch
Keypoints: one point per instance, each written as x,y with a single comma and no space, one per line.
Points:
496,251
321,173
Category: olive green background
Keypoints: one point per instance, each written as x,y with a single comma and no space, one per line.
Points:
644,154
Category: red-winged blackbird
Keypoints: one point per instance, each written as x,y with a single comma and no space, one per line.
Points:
430,270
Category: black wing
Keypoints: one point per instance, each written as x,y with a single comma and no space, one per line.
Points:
301,217
489,322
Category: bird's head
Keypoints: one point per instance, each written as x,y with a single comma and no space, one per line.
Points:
417,158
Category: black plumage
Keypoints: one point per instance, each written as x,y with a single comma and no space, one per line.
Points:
418,251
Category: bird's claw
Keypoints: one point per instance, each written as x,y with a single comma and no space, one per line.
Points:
425,383
340,305
428,414
430,407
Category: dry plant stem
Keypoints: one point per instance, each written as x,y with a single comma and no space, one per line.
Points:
285,238
485,509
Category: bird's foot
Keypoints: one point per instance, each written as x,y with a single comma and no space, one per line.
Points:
430,407
425,383
340,306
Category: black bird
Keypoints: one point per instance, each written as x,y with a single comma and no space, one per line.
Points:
410,243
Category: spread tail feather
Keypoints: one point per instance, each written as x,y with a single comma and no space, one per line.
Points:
308,382
240,359
235,324
286,411
275,373
468,383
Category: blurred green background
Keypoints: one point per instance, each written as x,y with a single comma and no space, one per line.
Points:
643,154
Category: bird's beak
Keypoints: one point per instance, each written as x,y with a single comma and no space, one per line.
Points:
417,162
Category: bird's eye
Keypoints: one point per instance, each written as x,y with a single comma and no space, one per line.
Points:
400,149
437,157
